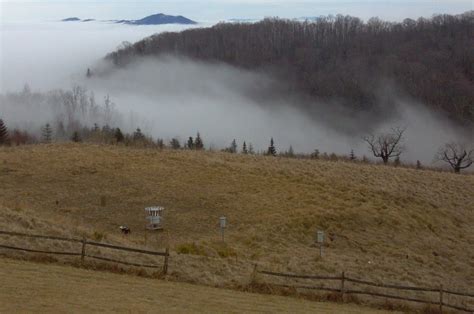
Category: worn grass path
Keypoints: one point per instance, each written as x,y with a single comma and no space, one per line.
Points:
32,287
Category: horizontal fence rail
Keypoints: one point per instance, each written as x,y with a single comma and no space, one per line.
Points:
27,235
123,248
343,279
309,287
121,262
390,296
299,276
38,251
471,295
84,242
381,285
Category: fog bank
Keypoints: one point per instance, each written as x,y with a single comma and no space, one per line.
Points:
180,97
49,55
175,97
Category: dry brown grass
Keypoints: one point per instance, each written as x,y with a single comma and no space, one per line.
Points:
386,224
32,288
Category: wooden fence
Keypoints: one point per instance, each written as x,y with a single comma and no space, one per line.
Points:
342,289
83,253
342,279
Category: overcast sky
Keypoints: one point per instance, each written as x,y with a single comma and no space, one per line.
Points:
212,11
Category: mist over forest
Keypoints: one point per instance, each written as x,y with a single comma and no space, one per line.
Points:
226,84
340,59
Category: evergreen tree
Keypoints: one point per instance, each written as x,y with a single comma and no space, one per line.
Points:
61,131
199,144
190,143
119,135
233,147
251,151
174,143
352,155
3,133
138,135
290,152
76,137
160,143
26,89
271,149
47,133
244,149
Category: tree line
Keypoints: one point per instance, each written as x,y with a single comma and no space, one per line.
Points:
342,57
67,110
386,146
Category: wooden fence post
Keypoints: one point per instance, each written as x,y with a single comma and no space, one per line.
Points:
342,286
83,251
165,266
441,299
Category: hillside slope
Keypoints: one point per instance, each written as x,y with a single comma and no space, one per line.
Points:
66,289
382,223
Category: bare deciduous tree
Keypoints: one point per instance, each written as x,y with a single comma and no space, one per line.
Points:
456,155
387,145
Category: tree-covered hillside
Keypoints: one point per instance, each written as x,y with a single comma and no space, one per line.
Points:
342,59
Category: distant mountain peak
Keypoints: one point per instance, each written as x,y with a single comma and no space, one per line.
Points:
76,19
71,19
155,19
158,19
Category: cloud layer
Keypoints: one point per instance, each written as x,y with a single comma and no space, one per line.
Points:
170,96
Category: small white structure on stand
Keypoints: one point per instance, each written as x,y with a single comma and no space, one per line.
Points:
154,218
223,225
320,240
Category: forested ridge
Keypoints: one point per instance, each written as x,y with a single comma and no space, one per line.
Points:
342,58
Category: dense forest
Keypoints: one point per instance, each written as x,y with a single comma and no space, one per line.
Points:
342,58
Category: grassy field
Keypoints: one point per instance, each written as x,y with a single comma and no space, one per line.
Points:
60,289
382,223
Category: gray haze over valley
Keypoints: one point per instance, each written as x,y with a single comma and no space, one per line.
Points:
176,97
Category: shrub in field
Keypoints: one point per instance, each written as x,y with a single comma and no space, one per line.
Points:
190,248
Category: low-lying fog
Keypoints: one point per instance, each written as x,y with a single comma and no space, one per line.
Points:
175,97
49,55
